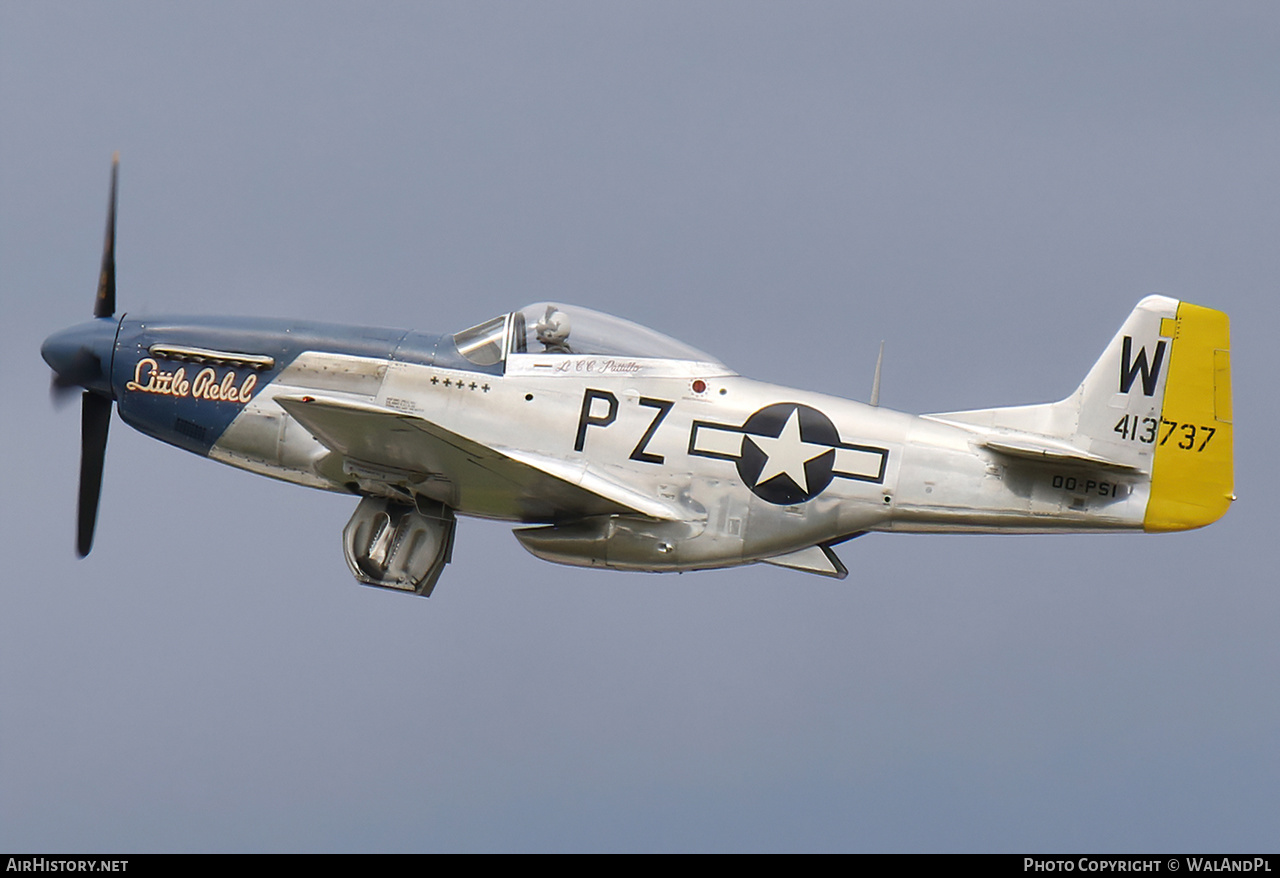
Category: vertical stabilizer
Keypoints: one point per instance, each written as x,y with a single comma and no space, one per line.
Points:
1156,403
1120,400
1160,396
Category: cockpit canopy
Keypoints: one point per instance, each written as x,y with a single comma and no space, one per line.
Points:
550,328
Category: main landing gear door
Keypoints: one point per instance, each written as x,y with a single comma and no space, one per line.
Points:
398,546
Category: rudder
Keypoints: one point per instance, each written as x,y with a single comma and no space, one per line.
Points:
1192,474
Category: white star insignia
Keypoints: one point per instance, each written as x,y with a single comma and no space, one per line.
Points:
787,454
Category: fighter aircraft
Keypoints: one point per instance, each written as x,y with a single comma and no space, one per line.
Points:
612,445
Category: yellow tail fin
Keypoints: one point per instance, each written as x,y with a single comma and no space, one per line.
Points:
1191,476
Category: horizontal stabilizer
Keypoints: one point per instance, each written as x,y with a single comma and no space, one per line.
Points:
1025,449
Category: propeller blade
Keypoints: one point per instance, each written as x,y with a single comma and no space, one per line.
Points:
105,303
95,418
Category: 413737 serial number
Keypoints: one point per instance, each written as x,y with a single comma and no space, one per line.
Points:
1147,430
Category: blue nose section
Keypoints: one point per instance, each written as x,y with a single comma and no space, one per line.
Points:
81,355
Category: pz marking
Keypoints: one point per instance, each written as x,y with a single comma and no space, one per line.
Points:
589,418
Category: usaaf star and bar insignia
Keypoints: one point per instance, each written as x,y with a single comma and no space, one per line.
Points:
788,453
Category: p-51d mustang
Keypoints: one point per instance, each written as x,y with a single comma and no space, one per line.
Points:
615,446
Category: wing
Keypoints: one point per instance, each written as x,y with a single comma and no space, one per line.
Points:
401,449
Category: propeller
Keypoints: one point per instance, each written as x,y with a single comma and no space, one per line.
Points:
95,418
95,410
104,305
81,358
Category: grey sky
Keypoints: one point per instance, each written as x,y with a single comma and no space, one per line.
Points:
990,187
